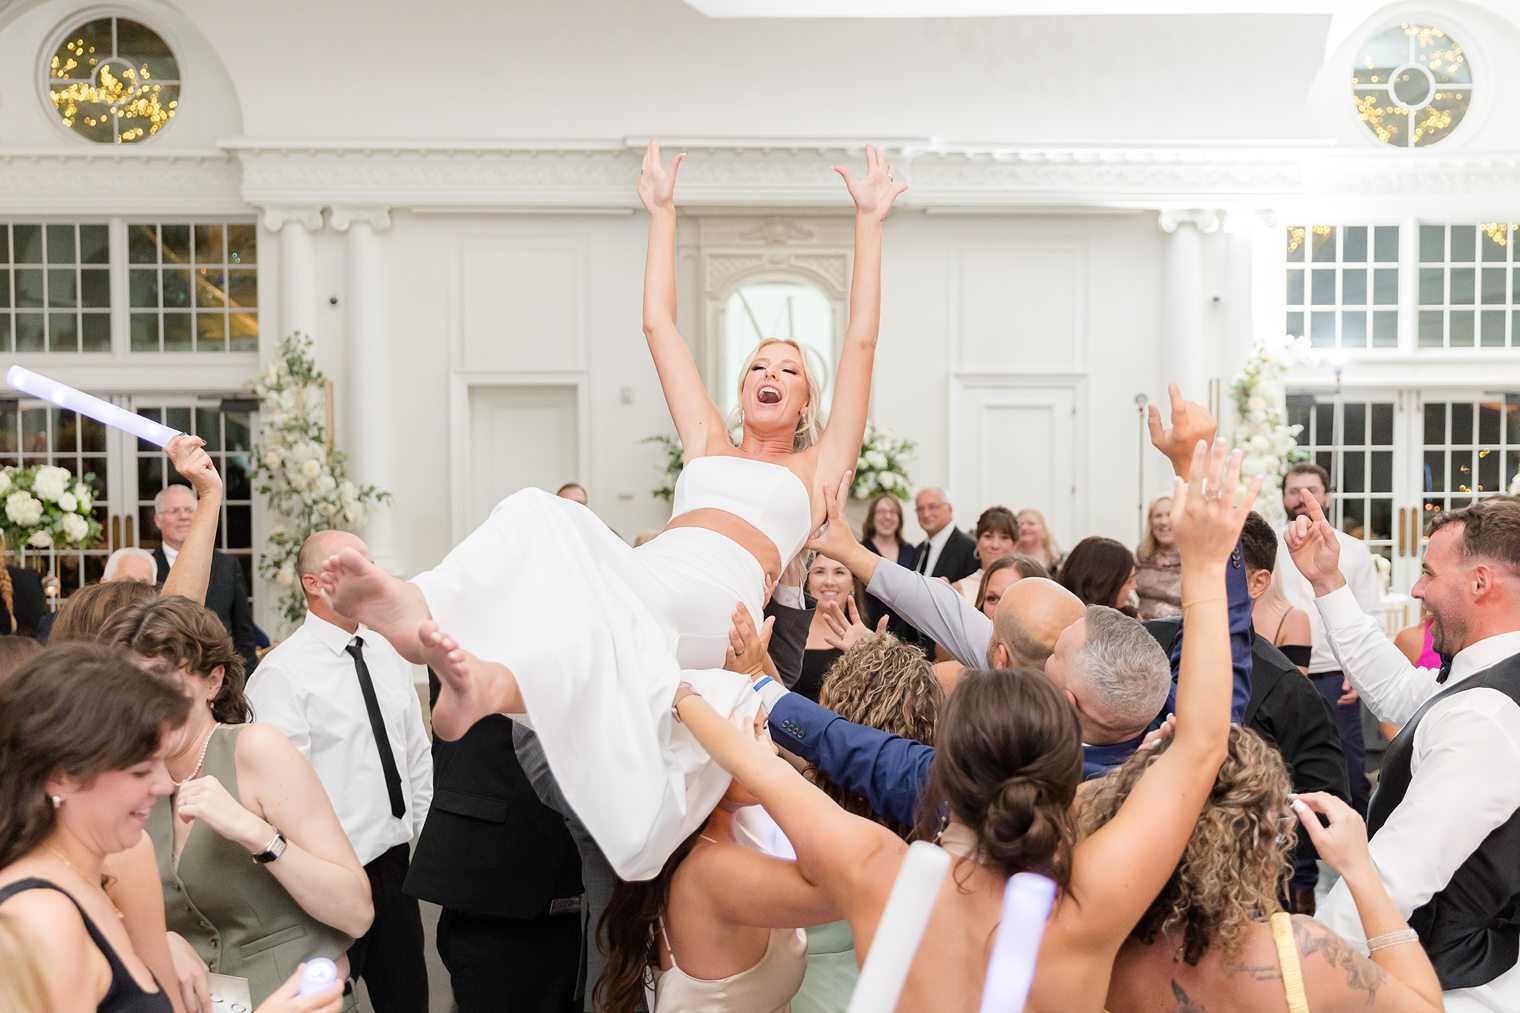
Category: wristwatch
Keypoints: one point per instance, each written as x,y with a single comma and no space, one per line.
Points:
274,849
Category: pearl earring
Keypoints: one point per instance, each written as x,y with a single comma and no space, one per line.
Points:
57,801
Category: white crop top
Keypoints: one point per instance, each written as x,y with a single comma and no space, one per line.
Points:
769,496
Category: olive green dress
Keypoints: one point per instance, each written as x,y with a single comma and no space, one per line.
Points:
232,910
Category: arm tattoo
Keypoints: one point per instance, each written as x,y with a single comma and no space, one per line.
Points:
1361,973
1258,972
1185,1003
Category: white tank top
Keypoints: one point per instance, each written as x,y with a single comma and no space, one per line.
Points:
769,496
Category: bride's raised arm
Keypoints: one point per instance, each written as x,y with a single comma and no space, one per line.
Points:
691,409
839,446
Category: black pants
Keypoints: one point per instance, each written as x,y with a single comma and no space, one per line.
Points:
389,957
528,965
1348,727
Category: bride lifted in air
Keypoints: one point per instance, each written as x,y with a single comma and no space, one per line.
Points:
596,678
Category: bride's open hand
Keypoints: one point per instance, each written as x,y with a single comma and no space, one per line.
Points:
657,182
875,191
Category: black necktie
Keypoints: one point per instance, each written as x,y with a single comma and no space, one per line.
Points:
923,558
377,725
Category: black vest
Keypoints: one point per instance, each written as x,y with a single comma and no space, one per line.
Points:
1471,928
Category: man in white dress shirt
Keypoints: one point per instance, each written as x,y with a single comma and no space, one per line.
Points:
345,698
1304,484
1445,821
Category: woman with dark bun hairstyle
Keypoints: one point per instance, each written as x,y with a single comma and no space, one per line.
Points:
1007,763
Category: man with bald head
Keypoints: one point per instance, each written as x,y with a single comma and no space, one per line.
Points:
345,699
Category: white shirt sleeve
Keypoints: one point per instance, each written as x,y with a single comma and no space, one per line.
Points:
1454,801
1392,688
277,701
419,767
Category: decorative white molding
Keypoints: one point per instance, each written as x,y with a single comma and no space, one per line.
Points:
87,181
1205,220
597,177
279,215
345,215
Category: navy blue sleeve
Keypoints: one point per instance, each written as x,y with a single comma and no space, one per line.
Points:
890,771
1241,634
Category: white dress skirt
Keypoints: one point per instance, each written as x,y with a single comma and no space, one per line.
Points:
598,636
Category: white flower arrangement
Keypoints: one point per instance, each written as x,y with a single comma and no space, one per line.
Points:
303,479
882,467
1262,434
46,507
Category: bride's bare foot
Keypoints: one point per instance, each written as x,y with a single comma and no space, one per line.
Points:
469,689
363,592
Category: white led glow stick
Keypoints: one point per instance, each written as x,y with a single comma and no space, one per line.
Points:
1026,908
902,927
64,396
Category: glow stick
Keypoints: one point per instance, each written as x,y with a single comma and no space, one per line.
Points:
1026,908
64,396
902,927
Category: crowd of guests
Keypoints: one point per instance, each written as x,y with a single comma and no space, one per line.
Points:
1172,734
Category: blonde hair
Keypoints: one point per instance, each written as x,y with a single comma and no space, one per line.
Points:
1236,862
1048,543
1148,543
810,422
7,590
22,987
881,683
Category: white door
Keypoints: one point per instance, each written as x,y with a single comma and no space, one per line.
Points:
1014,444
519,436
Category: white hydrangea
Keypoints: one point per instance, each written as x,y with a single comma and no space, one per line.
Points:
75,528
22,508
5,481
40,539
84,494
68,503
875,459
50,483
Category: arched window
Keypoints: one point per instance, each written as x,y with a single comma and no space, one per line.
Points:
1412,85
113,81
778,308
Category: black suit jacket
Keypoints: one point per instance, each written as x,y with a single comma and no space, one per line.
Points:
227,596
31,603
490,846
957,560
1287,711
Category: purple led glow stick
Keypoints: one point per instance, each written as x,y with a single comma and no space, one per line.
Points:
1026,908
64,396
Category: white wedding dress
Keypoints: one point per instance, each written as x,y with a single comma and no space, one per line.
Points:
599,635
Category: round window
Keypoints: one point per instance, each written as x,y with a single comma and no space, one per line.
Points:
1412,85
114,81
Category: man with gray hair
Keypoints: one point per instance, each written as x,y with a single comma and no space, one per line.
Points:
131,564
227,588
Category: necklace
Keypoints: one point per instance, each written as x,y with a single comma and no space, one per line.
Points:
961,842
75,870
199,762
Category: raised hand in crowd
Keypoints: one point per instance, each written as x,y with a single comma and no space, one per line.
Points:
657,181
1191,422
873,193
190,573
748,651
1315,549
842,626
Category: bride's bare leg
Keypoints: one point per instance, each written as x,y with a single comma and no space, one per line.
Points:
363,592
469,688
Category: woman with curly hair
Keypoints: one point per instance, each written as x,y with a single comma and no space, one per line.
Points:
1216,935
1006,766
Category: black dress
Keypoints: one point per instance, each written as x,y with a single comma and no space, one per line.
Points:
31,603
124,995
815,665
875,608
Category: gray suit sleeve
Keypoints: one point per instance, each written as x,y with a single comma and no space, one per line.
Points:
935,608
788,640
